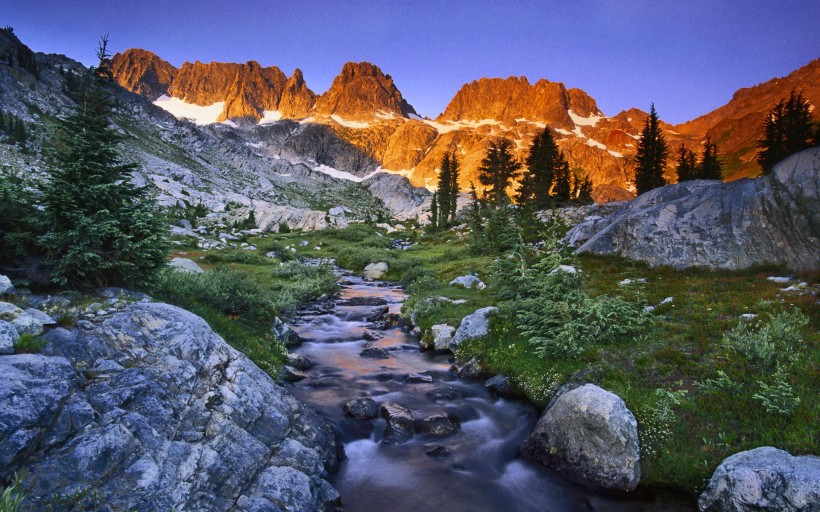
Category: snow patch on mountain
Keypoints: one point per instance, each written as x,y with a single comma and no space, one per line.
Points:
350,124
270,116
199,114
450,126
584,121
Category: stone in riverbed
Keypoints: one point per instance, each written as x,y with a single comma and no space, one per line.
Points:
375,270
499,385
378,314
418,378
765,479
588,435
374,353
442,335
363,408
399,423
299,362
6,288
438,452
439,425
290,374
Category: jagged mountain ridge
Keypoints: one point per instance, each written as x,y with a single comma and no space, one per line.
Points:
222,168
365,108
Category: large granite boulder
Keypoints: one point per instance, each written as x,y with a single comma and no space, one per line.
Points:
706,223
764,479
153,410
22,321
475,325
6,288
589,435
468,281
8,337
442,335
185,265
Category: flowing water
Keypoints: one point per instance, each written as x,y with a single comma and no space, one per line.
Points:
481,471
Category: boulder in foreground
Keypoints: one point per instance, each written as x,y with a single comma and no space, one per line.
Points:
589,436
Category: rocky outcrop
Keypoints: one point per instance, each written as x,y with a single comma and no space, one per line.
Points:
8,337
154,411
297,100
142,72
588,435
770,220
763,479
361,91
472,326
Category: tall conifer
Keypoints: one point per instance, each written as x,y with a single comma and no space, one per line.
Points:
652,154
787,130
687,167
710,166
497,170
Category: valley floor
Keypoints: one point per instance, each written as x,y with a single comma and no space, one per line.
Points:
696,400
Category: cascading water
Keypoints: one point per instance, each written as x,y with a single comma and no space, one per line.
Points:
474,469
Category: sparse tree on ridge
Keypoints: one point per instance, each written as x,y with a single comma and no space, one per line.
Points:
788,129
687,166
710,166
651,155
497,170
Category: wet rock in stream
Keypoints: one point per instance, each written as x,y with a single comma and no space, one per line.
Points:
399,423
363,408
374,353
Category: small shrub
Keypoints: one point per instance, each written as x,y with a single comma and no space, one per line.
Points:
723,383
243,257
773,343
12,496
29,344
778,398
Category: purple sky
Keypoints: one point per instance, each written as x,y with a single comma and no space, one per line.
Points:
686,56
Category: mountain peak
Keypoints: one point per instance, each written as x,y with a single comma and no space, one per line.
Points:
143,72
360,91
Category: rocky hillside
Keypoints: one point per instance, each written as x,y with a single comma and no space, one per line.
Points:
365,108
287,167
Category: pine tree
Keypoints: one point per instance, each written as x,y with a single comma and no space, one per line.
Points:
434,218
544,162
497,170
444,193
710,166
102,230
788,129
563,185
687,167
477,241
651,155
455,170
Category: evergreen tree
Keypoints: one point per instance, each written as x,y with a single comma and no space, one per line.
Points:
497,170
710,166
788,129
476,221
20,223
651,155
102,230
687,167
544,163
434,218
563,185
444,193
455,170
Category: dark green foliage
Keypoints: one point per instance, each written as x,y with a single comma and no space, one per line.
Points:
101,229
581,187
20,223
787,130
455,170
14,128
497,170
283,228
710,166
478,241
249,222
651,155
502,232
444,194
545,162
687,167
434,213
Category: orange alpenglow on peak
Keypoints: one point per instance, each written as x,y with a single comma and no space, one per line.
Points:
360,92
